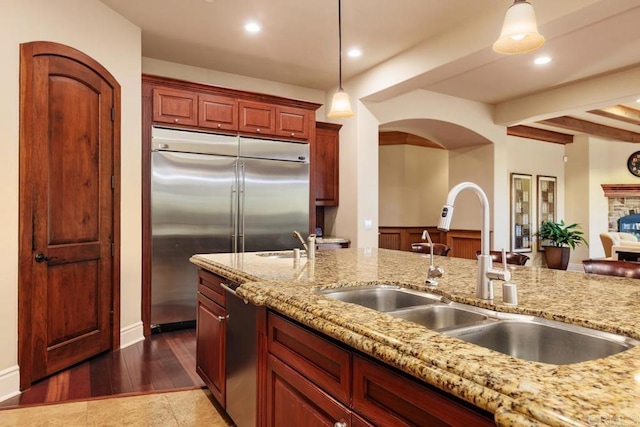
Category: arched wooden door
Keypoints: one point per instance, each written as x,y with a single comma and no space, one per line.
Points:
69,279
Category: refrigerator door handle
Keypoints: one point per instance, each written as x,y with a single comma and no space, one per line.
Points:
234,206
242,195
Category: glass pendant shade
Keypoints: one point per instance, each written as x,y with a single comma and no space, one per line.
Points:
519,31
340,105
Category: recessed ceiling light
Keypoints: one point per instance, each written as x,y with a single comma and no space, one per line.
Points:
252,27
354,53
208,1
638,100
542,60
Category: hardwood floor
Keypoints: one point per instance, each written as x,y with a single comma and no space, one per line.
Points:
164,361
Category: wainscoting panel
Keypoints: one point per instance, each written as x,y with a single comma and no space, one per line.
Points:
464,243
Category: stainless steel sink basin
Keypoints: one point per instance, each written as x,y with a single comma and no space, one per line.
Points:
440,316
544,341
382,298
521,336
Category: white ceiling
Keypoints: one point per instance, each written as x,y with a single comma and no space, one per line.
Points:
298,43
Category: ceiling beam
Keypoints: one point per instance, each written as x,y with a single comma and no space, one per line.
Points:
540,134
619,112
591,128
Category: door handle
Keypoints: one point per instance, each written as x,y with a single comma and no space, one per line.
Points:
40,257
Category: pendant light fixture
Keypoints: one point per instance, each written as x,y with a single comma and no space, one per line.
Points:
340,105
520,31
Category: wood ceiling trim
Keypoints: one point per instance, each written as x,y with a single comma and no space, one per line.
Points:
540,134
591,128
403,138
621,190
619,112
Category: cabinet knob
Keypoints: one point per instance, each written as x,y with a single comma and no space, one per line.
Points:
258,130
219,125
176,120
222,318
293,134
340,424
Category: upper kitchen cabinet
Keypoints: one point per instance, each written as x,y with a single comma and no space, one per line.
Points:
293,122
268,119
257,117
175,106
194,105
326,152
218,112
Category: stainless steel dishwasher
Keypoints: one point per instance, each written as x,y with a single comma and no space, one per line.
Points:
241,355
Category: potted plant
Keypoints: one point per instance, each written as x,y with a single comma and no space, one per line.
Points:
558,239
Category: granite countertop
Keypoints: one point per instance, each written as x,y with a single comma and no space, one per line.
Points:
519,392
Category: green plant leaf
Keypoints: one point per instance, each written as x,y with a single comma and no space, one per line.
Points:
560,234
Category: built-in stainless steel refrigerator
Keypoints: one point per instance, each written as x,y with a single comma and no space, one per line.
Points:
216,194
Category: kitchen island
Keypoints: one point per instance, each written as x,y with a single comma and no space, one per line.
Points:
518,392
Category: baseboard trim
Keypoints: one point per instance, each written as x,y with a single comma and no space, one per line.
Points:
131,334
9,382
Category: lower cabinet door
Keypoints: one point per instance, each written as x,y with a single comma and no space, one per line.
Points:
294,401
211,332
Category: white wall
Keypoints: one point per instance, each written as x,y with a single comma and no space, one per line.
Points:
577,194
473,164
527,156
413,184
93,28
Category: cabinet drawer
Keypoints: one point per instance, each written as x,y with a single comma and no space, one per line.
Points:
209,285
321,361
386,397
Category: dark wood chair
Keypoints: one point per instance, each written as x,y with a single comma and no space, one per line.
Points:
609,267
514,258
438,248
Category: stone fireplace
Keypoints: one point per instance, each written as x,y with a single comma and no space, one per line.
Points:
624,199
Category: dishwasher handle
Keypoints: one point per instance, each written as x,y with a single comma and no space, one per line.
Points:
232,292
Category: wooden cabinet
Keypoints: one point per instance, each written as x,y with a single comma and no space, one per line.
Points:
211,334
175,106
293,122
326,157
257,117
218,112
214,108
292,400
273,120
314,381
323,362
387,398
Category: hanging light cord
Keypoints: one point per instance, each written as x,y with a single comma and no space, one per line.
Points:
340,45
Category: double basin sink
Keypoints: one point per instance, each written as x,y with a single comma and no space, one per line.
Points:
521,336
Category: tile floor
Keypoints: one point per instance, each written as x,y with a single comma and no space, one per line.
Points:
181,408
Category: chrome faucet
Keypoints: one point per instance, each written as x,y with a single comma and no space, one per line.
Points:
433,272
486,272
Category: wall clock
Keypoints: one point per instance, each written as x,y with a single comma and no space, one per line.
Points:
633,164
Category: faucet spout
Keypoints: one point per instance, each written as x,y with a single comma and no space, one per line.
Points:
484,285
304,244
447,212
